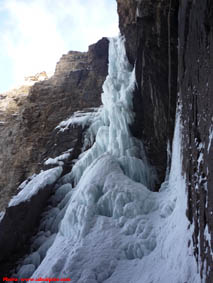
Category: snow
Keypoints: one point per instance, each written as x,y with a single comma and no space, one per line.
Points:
23,184
2,213
210,138
207,236
37,183
59,159
112,227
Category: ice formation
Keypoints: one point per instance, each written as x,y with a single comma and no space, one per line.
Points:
111,126
82,118
111,227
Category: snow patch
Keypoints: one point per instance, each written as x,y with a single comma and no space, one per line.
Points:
37,183
59,159
210,138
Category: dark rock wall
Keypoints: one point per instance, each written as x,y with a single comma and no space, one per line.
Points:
16,227
26,139
153,30
196,94
150,29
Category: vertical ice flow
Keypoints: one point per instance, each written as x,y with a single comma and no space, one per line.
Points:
111,127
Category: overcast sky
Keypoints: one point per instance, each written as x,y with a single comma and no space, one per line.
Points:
35,33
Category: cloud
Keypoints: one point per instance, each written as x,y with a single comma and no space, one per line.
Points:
35,33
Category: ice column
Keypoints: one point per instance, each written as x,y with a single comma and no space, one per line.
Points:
111,127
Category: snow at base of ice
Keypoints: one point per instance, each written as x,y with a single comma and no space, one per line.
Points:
37,183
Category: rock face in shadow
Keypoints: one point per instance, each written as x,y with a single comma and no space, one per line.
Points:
26,132
17,226
196,95
151,31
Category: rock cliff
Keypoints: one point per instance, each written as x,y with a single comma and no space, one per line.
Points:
163,69
195,88
32,113
150,29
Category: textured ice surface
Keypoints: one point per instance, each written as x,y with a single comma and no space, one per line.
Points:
116,230
49,226
38,182
111,126
80,118
105,222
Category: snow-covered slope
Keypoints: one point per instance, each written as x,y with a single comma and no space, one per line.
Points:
111,227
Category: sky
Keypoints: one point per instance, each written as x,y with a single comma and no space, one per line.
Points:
35,33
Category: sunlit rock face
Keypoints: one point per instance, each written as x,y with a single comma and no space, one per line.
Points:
29,114
10,101
11,105
36,78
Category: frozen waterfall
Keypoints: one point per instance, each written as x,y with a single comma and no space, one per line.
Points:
111,227
110,128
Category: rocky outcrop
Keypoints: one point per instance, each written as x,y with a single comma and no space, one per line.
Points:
11,105
36,78
150,29
26,131
17,226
